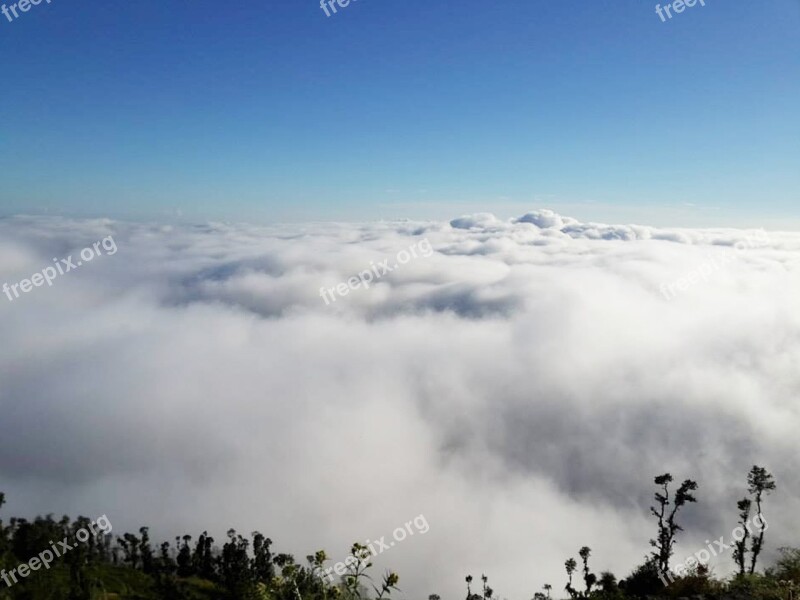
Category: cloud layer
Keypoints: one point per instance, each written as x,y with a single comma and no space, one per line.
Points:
520,386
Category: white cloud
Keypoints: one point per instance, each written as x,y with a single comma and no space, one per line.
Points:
520,387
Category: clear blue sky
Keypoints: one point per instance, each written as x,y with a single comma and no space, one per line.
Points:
268,109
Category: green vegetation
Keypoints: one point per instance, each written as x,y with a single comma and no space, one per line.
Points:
658,578
128,567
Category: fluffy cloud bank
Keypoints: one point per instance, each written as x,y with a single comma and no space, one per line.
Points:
519,387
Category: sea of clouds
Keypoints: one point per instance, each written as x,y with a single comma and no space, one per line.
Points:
520,387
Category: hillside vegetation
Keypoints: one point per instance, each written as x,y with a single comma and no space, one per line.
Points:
48,559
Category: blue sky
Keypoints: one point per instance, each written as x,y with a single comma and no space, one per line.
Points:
269,110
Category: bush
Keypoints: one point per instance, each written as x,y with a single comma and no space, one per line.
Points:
756,586
788,566
644,581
